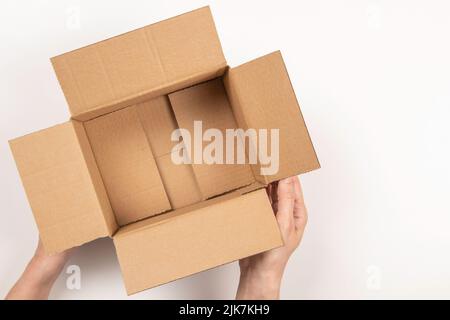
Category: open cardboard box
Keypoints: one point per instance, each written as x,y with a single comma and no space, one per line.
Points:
108,171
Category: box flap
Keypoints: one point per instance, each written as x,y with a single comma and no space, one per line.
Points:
140,64
262,97
172,246
63,186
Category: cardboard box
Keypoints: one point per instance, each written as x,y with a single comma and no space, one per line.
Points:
108,171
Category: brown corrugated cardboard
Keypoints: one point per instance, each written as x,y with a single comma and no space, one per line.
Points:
263,98
111,173
182,244
159,122
141,64
208,103
63,186
179,182
127,166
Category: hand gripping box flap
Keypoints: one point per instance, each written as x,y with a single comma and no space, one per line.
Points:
186,241
63,186
262,97
140,64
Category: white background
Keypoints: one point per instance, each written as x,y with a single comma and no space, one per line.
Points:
373,80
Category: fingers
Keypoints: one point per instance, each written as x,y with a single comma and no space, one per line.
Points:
269,192
300,213
274,196
285,203
298,191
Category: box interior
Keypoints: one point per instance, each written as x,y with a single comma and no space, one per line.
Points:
143,181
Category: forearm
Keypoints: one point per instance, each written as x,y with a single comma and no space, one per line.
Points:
258,286
35,282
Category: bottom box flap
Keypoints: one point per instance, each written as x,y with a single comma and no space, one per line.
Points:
174,245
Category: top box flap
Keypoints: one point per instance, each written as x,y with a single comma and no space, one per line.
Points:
140,63
262,97
172,246
63,186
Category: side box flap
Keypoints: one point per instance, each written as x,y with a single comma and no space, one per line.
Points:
262,97
63,186
140,64
164,249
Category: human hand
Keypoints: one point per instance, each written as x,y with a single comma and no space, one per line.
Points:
261,274
39,275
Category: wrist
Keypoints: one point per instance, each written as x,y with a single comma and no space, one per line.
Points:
35,282
258,284
41,272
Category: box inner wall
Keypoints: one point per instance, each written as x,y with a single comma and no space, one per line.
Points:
143,181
